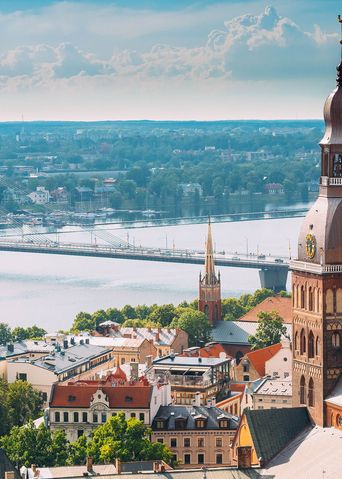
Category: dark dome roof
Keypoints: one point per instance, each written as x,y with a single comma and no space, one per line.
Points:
333,114
324,221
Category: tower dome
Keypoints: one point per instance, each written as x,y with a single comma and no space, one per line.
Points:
333,113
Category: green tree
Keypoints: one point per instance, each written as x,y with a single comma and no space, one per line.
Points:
114,314
128,312
83,322
77,453
258,296
163,314
125,440
196,324
19,333
4,419
34,332
23,402
269,331
99,317
232,309
5,334
134,323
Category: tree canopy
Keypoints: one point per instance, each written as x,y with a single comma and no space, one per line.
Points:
269,331
196,324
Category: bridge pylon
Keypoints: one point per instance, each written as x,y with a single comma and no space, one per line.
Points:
274,278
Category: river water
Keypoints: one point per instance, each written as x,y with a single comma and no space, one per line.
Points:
49,290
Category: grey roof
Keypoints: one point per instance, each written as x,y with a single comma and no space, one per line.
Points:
274,387
189,361
237,332
23,347
69,358
273,429
190,413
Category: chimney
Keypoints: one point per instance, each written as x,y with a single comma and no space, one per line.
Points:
72,341
87,341
244,457
149,360
10,348
213,401
134,371
89,464
118,466
65,344
81,342
197,400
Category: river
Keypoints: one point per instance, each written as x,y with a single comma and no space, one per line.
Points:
50,290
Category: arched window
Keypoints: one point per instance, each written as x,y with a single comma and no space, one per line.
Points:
336,340
311,345
206,310
302,390
302,297
302,342
238,356
318,300
296,341
317,347
311,393
311,299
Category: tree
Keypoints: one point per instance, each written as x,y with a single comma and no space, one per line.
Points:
83,322
4,419
114,314
5,334
126,440
77,451
258,296
196,324
128,312
163,314
232,309
23,402
269,331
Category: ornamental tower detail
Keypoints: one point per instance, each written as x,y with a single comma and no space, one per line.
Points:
209,301
317,277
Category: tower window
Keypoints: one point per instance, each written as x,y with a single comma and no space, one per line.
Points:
302,342
302,390
302,297
311,348
336,340
311,393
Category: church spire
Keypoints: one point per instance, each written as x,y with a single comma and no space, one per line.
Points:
209,273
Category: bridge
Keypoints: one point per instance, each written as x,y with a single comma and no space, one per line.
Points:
272,271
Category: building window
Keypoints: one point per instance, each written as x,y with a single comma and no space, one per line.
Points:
200,442
200,458
218,458
57,416
302,342
311,395
296,341
95,417
22,376
223,423
122,360
133,414
161,440
84,417
302,390
103,417
336,340
160,424
142,416
44,396
187,442
219,442
200,423
173,442
246,377
66,417
75,416
187,458
80,432
174,457
311,345
113,414
317,346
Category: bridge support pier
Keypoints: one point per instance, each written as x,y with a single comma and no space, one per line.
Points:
274,278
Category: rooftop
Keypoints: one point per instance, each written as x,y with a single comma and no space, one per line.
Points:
283,306
200,362
210,350
212,416
271,387
161,336
22,347
237,332
259,357
69,358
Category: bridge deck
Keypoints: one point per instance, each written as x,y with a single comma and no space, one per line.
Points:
101,251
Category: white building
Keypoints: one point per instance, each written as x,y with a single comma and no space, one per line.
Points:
280,365
40,197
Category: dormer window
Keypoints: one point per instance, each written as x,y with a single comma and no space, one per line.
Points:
180,423
200,423
223,423
160,423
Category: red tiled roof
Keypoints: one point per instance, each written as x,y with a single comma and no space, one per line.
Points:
258,358
283,306
119,374
212,350
80,394
237,387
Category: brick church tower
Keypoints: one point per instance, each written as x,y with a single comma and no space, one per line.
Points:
317,278
209,301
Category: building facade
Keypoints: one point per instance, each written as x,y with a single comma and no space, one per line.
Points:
209,301
196,436
317,277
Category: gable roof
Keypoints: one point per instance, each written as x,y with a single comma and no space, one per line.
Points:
80,394
259,357
237,332
273,429
283,306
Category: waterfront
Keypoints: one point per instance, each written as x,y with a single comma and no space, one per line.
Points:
49,290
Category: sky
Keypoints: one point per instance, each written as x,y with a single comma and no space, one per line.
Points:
166,59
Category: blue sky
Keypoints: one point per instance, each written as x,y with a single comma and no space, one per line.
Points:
179,59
